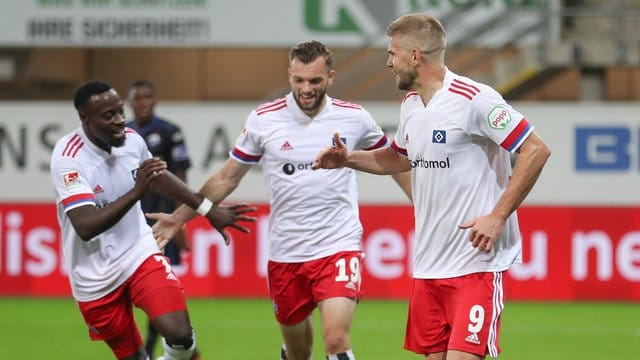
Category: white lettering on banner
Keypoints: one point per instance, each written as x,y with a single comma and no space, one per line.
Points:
14,243
583,242
36,245
594,152
385,254
203,241
536,267
40,259
628,256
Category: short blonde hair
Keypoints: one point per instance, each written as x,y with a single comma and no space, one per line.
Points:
419,31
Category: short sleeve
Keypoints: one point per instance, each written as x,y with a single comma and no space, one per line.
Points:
407,108
493,118
70,183
248,147
372,136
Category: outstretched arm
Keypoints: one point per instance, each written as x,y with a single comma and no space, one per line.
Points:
383,161
216,189
485,230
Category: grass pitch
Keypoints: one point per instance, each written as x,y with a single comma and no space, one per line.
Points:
245,329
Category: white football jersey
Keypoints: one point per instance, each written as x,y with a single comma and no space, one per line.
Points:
458,146
314,213
83,174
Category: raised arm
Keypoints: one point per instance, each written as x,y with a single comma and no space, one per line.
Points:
216,189
383,161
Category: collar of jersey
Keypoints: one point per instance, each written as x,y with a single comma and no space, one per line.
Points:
93,147
298,113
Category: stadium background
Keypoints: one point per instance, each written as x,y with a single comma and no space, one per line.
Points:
572,67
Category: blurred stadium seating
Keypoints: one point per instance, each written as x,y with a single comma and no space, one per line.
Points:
572,50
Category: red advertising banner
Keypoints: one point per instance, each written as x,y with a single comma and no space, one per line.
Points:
570,253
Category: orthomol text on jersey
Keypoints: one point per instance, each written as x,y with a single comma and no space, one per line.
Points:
430,164
290,168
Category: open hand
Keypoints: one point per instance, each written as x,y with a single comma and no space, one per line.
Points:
222,216
165,228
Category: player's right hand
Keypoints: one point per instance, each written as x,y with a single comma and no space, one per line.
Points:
332,157
147,172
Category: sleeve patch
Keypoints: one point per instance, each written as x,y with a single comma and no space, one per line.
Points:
71,179
499,118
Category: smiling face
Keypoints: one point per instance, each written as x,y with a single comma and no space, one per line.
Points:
309,83
103,119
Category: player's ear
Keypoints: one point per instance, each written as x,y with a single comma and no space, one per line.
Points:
332,76
83,116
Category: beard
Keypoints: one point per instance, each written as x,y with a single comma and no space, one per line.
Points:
406,80
315,105
116,142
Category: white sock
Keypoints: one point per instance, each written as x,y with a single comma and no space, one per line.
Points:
283,352
176,352
347,355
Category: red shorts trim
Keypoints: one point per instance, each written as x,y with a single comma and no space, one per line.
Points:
296,288
153,287
461,313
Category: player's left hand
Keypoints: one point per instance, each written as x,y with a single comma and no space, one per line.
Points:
222,216
485,231
165,228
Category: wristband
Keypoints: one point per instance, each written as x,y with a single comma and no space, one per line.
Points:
205,207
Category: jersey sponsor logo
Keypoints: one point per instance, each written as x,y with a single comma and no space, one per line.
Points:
98,189
430,164
286,146
290,168
439,137
71,178
406,139
499,118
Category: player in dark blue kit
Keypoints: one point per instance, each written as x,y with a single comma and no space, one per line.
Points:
165,141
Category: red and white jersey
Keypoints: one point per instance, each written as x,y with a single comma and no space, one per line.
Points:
458,146
314,213
83,174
